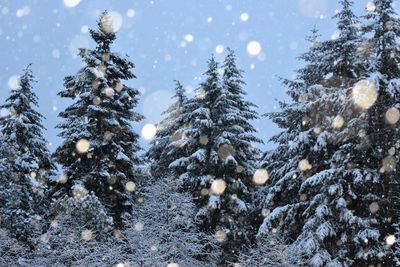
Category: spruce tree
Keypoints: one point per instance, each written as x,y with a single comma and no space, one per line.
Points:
340,56
323,190
99,151
219,161
234,126
382,22
13,222
25,159
162,152
293,144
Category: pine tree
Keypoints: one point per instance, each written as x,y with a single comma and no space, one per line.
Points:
382,22
234,126
10,221
162,152
25,159
293,146
162,230
323,190
99,152
220,157
340,56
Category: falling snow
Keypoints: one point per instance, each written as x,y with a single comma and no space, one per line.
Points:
71,3
319,187
149,131
14,82
218,186
219,49
82,145
254,48
364,94
260,176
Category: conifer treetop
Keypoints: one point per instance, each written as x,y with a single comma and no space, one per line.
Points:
99,152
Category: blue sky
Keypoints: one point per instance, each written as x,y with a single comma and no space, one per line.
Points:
167,40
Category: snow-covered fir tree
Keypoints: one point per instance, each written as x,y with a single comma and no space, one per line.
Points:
25,160
10,221
327,195
382,28
162,152
23,129
293,145
323,192
234,126
99,151
340,56
219,161
163,230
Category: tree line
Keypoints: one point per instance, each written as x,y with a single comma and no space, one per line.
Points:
203,194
